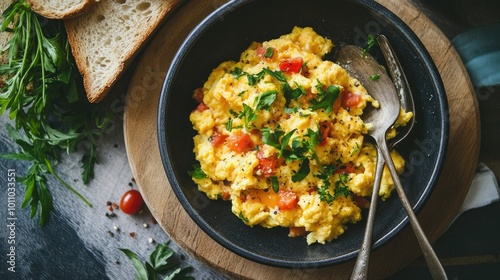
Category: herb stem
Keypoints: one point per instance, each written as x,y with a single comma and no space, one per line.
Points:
51,170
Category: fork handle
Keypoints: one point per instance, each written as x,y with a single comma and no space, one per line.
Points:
435,267
360,270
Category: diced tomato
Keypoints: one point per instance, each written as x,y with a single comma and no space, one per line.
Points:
226,192
346,168
217,138
198,95
325,129
287,200
266,53
360,201
297,231
201,107
350,100
240,142
292,65
267,165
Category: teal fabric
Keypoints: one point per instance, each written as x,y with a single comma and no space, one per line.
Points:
479,49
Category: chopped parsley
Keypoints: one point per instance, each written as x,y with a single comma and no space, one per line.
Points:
243,218
324,190
374,77
274,183
325,98
341,188
303,171
369,44
355,149
262,102
269,52
197,173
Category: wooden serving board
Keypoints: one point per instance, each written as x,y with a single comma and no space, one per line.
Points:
140,122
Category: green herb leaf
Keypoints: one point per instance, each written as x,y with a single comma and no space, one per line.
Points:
341,188
229,124
275,184
272,138
374,77
278,75
369,44
249,115
43,96
264,101
325,99
243,218
159,258
269,52
303,171
161,262
285,140
324,190
197,173
142,272
355,150
237,73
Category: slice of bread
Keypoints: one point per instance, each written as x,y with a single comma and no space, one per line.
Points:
104,40
57,9
4,36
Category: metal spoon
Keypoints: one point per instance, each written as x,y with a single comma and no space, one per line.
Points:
363,72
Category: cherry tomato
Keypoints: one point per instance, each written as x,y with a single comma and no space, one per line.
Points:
240,142
131,202
292,65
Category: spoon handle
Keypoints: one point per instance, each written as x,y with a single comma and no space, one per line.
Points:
435,267
360,270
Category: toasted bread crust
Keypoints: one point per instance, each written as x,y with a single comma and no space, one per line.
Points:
105,40
53,10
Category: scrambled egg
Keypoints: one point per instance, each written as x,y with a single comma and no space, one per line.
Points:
279,134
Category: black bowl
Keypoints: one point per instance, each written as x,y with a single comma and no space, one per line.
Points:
223,36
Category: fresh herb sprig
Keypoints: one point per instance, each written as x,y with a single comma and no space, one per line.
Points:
43,96
370,42
160,263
